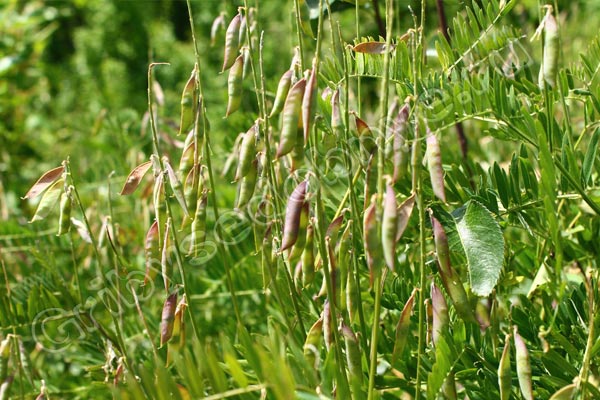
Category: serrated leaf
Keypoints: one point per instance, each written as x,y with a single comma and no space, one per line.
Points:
483,245
44,182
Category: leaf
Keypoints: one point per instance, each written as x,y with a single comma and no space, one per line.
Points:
44,182
135,177
49,201
444,355
483,244
590,156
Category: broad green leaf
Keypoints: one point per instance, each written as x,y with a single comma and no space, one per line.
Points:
483,245
590,156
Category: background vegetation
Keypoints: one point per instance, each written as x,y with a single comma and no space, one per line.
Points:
73,85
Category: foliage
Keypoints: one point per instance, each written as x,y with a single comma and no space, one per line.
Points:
179,287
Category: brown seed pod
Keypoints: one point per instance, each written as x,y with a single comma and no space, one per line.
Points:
165,261
168,318
49,200
44,182
292,216
135,177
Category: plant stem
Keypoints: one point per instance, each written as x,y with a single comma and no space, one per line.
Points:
378,285
583,374
299,33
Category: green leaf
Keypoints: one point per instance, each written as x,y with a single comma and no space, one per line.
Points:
590,156
483,245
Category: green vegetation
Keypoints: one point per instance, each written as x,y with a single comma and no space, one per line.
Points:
301,199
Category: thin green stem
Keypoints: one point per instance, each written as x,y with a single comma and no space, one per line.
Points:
299,34
378,285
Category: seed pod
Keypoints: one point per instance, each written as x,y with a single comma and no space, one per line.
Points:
232,42
351,294
334,274
48,201
217,25
234,86
189,102
198,235
291,118
178,334
308,256
440,317
399,145
44,182
403,327
388,227
247,185
186,162
434,163
298,151
25,361
151,252
282,91
135,177
309,102
191,187
523,366
313,343
551,50
176,186
337,125
168,318
298,247
292,216
365,137
327,328
234,155
4,356
370,179
242,34
247,152
449,387
565,393
373,249
343,263
353,354
165,260
5,388
504,371
450,278
404,213
64,219
268,263
159,203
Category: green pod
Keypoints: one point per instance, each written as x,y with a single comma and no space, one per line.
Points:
305,18
282,91
450,278
247,152
351,294
64,219
337,125
268,263
370,179
312,344
399,147
189,102
551,50
523,366
309,102
191,188
565,393
186,162
293,211
247,185
308,256
166,266
234,86
151,253
176,186
298,247
217,25
158,197
232,42
353,358
4,356
198,236
366,139
291,118
504,371
343,263
372,240
440,319
449,387
297,153
434,164
177,340
5,388
403,327
168,318
389,225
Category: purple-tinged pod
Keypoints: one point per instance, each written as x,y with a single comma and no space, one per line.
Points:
337,124
440,319
353,355
389,225
523,366
198,235
247,152
217,25
292,216
308,256
372,240
334,228
152,253
327,325
298,247
168,318
403,327
178,335
450,278
429,318
291,118
404,212
365,137
44,182
235,86
186,162
504,371
370,179
434,164
232,42
309,102
189,102
166,265
312,345
282,91
399,142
